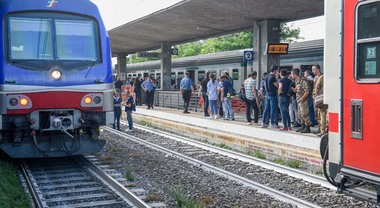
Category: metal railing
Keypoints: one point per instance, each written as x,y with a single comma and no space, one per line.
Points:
173,99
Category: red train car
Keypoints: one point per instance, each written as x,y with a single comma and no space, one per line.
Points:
352,65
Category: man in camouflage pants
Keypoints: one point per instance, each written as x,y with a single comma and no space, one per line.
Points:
302,91
318,89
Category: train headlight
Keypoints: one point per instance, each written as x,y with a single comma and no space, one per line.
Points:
92,100
97,100
13,102
56,74
87,100
24,101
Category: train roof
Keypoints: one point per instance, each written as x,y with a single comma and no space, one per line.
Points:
236,56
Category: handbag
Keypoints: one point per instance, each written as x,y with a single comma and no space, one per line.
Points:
318,101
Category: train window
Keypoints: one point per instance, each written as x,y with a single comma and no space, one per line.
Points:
201,75
306,67
30,38
368,42
287,68
180,75
172,76
76,40
235,74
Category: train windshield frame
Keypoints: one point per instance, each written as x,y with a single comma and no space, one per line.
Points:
38,42
367,40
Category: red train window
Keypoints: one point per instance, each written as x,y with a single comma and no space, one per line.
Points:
368,42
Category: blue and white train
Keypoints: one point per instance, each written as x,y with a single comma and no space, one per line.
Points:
55,78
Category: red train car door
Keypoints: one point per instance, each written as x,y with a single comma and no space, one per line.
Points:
361,88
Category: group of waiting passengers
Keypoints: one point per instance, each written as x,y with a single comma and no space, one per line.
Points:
292,93
132,91
214,93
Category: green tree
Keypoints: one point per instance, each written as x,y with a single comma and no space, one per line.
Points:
289,35
235,41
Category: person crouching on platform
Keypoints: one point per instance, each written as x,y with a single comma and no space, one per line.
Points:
186,88
129,107
116,110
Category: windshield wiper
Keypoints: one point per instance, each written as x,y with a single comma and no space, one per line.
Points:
89,69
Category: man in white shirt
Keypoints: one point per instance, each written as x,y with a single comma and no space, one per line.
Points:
252,98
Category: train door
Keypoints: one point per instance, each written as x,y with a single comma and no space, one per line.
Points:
172,77
235,76
201,75
192,76
361,89
145,75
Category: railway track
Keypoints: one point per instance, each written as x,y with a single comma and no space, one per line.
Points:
312,178
287,198
74,182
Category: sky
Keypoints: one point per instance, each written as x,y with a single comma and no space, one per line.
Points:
119,12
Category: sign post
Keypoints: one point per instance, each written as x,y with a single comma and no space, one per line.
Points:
248,56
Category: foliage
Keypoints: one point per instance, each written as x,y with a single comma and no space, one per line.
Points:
153,197
289,35
128,174
294,163
259,155
184,201
11,194
279,161
224,146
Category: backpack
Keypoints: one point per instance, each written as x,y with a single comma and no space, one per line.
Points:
231,89
242,94
311,85
134,106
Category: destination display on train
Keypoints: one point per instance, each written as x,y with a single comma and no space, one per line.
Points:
277,48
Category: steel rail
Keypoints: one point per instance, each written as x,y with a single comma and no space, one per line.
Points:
25,171
122,191
259,187
312,178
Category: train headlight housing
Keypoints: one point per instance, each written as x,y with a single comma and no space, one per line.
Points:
56,74
13,102
92,100
17,102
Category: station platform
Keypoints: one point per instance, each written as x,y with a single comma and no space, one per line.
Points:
237,134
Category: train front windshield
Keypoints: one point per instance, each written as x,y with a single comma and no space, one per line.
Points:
36,42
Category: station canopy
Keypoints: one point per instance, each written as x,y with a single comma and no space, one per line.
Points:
192,20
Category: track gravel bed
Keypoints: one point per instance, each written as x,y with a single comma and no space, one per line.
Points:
297,187
159,173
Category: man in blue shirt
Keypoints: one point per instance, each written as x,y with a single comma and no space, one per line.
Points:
186,88
148,87
271,105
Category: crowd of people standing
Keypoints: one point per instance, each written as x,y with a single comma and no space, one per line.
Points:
280,92
294,94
